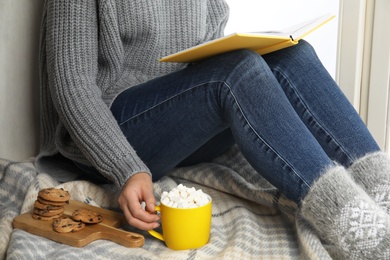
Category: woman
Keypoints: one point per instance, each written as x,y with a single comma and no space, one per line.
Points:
111,108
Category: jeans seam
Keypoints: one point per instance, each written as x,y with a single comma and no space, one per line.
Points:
167,99
258,135
307,110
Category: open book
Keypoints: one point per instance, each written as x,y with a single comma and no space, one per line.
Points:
261,42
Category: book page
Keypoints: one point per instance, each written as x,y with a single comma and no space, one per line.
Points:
299,30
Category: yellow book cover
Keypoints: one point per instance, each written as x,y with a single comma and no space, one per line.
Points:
260,42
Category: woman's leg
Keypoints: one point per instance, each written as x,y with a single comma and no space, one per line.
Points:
331,119
169,118
340,210
320,103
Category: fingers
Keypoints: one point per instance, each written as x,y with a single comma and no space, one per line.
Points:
140,218
150,202
139,188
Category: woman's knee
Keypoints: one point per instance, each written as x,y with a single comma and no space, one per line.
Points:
240,70
297,57
244,65
247,60
304,49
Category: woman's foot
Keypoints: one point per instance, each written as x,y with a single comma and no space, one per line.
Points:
346,217
372,173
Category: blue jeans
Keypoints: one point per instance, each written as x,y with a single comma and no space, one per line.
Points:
285,112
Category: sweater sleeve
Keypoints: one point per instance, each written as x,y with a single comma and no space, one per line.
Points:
72,62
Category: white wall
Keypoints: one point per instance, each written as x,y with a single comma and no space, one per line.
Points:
19,30
262,15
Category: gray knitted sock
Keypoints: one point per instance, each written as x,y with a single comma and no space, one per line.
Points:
347,218
372,172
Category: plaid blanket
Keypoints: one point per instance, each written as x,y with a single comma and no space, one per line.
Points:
250,218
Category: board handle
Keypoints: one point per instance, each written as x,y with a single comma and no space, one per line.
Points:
120,236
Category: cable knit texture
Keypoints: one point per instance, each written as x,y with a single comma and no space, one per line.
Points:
346,217
92,50
372,172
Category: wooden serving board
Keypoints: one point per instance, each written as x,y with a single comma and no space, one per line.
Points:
107,229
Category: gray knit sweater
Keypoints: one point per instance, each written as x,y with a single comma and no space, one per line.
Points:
92,50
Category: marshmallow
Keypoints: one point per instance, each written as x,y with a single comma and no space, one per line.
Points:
184,197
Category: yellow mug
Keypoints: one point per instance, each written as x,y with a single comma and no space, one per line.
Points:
187,228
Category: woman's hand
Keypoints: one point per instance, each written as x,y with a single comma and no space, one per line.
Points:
139,188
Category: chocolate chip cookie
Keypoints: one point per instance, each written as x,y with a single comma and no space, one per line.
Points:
54,194
87,216
66,225
48,212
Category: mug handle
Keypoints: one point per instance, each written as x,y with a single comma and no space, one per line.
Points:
154,232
